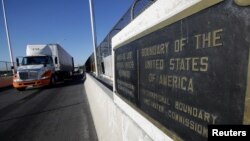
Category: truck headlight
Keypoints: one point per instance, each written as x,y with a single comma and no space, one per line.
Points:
16,77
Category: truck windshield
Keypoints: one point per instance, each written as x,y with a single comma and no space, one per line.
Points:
36,60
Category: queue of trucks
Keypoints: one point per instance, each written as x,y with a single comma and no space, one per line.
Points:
43,65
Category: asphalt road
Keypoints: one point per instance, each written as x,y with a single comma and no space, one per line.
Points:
60,113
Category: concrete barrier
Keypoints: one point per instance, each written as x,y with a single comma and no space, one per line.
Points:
111,123
5,81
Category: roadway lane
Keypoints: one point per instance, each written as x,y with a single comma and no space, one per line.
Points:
60,113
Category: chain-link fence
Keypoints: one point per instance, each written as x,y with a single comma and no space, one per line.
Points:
5,69
104,49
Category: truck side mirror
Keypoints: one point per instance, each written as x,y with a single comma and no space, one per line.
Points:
17,62
55,60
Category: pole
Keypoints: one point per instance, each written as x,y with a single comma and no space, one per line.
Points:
6,64
8,39
91,8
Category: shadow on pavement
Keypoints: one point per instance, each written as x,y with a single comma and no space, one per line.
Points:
16,104
75,80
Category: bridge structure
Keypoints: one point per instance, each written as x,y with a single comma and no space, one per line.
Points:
168,70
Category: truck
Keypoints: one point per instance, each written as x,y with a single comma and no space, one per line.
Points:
43,65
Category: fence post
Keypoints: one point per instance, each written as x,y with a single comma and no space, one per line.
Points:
6,66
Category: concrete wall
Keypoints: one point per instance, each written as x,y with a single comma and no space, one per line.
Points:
111,123
160,14
6,81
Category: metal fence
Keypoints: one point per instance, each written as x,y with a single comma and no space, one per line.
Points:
104,49
5,69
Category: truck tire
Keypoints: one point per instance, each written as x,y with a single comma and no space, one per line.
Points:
52,81
21,89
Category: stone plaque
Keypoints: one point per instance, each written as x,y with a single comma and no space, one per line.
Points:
126,73
192,73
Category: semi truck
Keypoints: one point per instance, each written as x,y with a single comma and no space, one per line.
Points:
43,65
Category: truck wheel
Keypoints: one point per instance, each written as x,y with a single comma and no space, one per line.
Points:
21,89
52,80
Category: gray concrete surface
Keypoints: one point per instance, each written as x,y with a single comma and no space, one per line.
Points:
60,113
111,123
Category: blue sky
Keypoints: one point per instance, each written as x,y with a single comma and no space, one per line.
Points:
66,22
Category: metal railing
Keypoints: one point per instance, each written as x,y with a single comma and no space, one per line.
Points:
5,69
104,49
135,10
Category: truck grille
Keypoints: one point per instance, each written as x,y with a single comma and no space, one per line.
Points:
28,75
23,75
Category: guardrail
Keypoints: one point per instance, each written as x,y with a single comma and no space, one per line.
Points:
5,74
